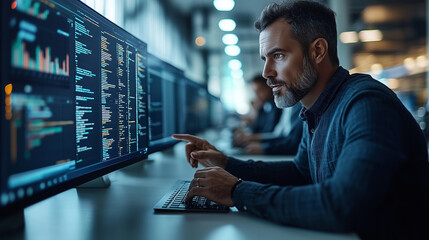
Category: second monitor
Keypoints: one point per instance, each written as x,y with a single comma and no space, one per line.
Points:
164,108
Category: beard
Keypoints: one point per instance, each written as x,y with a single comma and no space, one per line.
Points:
299,87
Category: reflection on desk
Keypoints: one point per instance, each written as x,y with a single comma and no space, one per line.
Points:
125,211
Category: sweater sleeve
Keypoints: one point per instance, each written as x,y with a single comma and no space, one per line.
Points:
277,172
370,157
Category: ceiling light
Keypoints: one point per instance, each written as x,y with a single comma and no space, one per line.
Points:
236,74
224,5
370,35
232,50
421,61
239,82
234,64
200,41
409,63
349,37
377,68
227,25
230,39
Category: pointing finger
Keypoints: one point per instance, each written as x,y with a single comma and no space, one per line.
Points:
199,142
189,147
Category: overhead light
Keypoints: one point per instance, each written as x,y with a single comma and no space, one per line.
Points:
409,63
239,82
421,61
232,50
227,25
349,37
377,68
370,35
224,5
234,64
230,39
200,41
378,14
236,74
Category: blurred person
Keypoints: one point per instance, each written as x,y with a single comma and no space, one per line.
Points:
267,115
362,164
248,119
283,140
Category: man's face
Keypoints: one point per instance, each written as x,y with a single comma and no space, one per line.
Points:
288,72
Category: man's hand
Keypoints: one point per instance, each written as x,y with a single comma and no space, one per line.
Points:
214,183
254,148
238,137
199,150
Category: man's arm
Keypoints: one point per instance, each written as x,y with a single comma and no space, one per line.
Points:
371,155
279,173
282,173
199,151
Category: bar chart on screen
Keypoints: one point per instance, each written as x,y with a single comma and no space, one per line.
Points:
38,9
43,61
40,43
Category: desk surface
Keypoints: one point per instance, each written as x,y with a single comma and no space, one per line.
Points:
125,211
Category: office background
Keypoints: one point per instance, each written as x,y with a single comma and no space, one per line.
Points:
387,39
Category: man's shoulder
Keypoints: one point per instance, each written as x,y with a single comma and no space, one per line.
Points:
358,83
361,81
362,90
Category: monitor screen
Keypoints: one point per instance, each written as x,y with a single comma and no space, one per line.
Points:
197,107
163,85
216,112
73,99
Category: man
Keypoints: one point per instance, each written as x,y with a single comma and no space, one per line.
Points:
362,163
283,140
268,115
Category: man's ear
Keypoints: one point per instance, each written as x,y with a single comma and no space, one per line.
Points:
318,50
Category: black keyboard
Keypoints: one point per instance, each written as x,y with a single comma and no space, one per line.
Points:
174,200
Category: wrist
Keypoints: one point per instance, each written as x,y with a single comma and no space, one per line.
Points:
239,180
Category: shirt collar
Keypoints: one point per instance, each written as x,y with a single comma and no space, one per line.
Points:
327,95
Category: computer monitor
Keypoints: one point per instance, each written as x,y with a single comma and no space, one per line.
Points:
181,105
216,112
163,85
73,99
197,107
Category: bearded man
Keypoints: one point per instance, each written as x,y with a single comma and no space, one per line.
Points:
362,165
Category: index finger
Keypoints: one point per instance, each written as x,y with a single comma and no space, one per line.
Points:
189,138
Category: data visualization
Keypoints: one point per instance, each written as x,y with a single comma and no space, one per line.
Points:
74,97
40,47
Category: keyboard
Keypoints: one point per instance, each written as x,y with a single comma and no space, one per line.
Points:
174,200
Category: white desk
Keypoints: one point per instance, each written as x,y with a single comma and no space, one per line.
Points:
124,211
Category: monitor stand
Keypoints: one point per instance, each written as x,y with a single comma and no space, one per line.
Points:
12,224
100,182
